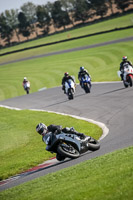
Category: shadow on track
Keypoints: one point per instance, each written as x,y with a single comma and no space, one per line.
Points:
67,100
113,91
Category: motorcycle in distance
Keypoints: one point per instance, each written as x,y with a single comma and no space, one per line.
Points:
127,75
67,145
27,87
86,83
70,89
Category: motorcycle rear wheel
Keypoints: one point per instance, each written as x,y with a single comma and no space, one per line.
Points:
68,150
93,144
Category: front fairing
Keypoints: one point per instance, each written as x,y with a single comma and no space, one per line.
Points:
128,71
27,84
69,85
62,138
85,79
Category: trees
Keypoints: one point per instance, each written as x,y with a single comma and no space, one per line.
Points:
60,17
24,25
60,13
43,18
122,4
5,30
99,6
81,10
29,10
67,5
110,3
12,20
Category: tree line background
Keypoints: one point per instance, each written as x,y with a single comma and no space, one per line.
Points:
29,19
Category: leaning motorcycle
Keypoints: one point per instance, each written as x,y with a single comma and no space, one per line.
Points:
67,145
86,83
70,89
127,75
27,87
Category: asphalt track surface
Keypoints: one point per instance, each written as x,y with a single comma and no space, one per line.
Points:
109,103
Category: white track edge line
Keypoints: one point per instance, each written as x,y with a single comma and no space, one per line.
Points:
100,124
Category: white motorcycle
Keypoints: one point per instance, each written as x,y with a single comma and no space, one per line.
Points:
70,89
127,75
27,87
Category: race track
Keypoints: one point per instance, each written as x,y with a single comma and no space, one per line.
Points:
109,103
70,50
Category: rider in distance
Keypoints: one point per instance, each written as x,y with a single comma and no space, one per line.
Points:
122,65
65,79
81,73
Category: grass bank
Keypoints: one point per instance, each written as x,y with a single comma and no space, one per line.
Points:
101,62
21,147
107,177
123,21
68,45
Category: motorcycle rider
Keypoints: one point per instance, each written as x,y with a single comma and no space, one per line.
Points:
46,131
122,65
65,79
25,81
81,73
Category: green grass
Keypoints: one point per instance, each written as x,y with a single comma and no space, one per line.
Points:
68,45
118,22
48,71
107,177
101,62
21,147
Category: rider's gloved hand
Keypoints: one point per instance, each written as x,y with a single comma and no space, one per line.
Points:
72,129
58,131
82,136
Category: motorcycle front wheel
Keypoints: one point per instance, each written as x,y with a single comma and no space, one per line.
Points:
125,84
87,88
68,150
93,144
70,94
130,81
59,157
27,90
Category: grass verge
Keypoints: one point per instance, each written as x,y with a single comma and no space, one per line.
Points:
118,22
21,147
101,62
68,45
107,177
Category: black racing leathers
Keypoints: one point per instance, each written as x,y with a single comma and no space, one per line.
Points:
56,129
65,79
123,63
81,74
